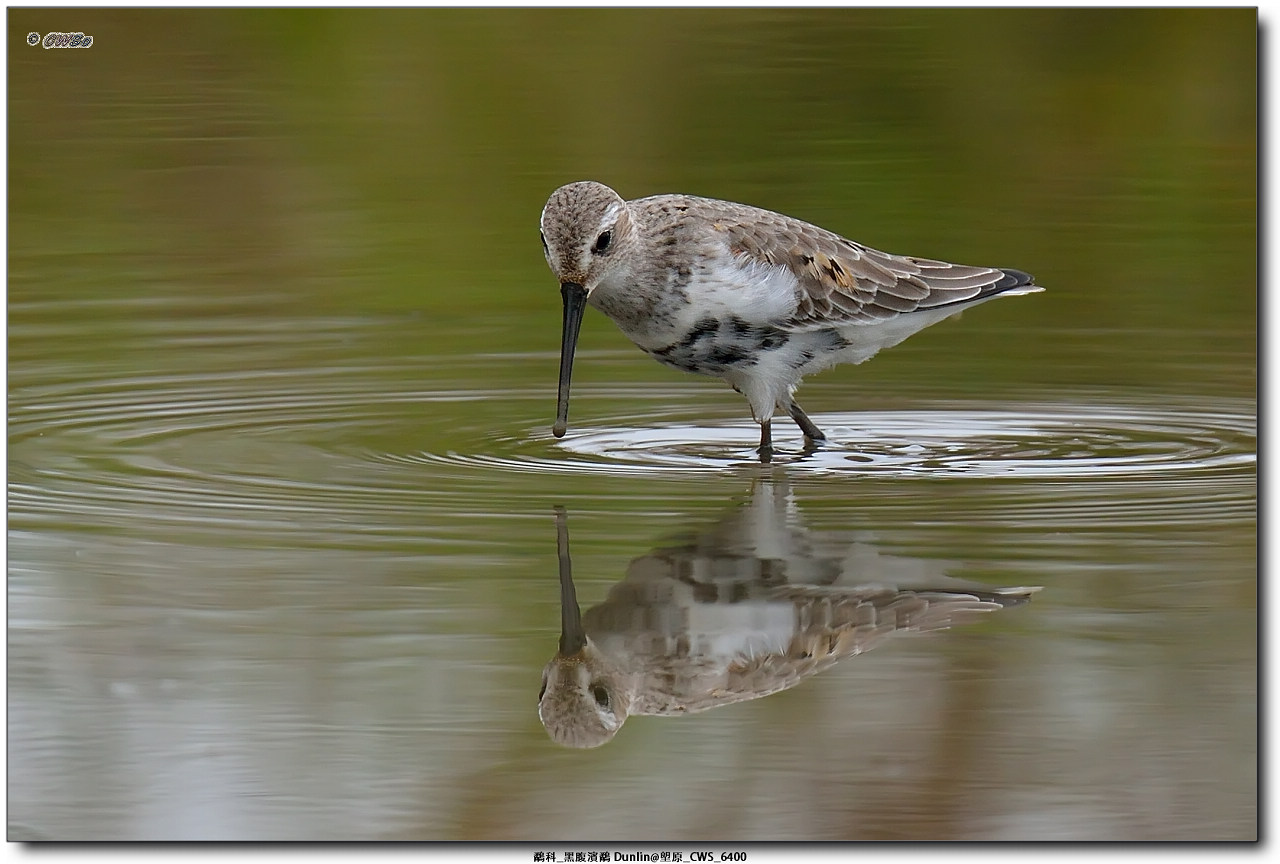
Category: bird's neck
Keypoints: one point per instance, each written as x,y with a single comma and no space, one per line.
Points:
628,303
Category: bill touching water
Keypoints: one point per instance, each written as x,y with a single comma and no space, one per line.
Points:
744,294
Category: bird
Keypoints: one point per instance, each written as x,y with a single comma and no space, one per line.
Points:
737,292
753,605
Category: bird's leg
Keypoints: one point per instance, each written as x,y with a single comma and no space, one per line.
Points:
812,434
766,441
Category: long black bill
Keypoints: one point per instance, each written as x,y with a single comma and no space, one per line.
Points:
575,303
572,637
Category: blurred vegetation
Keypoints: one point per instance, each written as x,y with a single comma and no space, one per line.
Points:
397,160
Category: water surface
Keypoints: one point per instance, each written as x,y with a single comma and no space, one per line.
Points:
282,489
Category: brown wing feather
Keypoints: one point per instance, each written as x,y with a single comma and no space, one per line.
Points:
840,281
834,625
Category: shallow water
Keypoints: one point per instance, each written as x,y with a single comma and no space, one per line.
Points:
282,490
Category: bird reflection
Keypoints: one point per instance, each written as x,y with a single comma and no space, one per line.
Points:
749,607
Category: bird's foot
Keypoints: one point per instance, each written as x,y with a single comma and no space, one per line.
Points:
812,445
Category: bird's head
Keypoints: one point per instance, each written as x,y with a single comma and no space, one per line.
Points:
587,235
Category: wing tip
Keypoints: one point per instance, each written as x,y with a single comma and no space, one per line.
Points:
1015,281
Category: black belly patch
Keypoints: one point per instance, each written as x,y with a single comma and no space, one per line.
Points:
729,355
713,346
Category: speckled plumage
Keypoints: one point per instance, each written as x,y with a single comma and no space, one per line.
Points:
748,295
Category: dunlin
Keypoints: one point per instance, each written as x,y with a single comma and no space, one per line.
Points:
748,295
751,606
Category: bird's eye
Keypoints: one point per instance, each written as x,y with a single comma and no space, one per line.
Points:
543,237
603,242
601,696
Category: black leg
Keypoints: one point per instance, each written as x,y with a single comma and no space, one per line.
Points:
812,434
766,441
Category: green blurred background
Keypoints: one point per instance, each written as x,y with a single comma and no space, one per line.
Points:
398,159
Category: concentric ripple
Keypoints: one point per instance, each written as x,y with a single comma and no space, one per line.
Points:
1049,440
368,448
299,449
